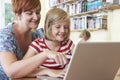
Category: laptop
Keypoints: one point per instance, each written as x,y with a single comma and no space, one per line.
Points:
93,61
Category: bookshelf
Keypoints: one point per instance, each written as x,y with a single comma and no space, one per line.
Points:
58,3
84,13
113,7
92,17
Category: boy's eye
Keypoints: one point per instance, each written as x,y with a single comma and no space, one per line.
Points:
66,27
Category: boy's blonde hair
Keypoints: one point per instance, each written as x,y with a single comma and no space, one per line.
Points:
53,17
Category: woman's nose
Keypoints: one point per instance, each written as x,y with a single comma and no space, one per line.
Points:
35,16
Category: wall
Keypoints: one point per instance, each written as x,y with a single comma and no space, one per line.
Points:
2,14
114,22
42,13
44,9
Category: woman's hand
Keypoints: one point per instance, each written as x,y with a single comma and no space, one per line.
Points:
52,72
60,58
56,73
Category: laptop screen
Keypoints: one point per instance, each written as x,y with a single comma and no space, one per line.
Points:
94,61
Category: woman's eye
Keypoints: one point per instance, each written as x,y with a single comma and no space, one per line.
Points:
29,13
38,12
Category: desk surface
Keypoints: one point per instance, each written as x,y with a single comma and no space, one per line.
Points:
26,79
43,78
40,78
48,78
117,78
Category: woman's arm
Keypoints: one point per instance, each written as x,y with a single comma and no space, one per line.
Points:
57,56
21,68
46,71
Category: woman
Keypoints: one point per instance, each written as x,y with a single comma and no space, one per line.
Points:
14,41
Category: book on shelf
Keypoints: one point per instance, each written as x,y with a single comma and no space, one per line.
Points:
94,5
113,1
89,22
101,22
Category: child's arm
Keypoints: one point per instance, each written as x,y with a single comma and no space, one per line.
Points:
59,58
30,53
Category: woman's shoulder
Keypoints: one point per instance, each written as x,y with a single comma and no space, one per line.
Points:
7,29
6,34
7,39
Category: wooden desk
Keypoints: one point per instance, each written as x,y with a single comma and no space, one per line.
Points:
48,78
117,77
39,78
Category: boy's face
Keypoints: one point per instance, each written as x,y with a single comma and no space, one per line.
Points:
60,31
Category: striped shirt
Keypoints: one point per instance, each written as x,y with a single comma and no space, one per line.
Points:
66,48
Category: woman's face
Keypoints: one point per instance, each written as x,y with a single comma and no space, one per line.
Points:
60,31
30,19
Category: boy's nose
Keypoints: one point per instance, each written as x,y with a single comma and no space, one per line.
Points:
62,29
